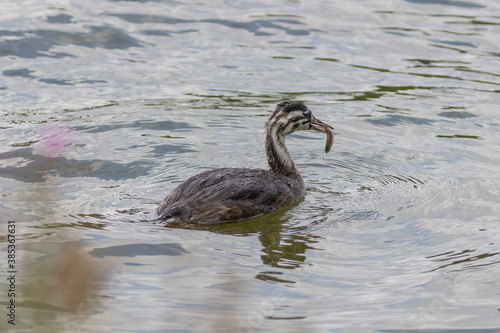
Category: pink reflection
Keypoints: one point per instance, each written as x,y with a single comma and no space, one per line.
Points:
53,140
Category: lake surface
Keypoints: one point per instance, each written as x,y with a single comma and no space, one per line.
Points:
108,105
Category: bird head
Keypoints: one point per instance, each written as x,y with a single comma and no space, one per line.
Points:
289,117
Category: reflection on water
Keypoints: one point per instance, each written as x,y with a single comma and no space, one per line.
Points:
465,257
132,250
107,106
282,246
36,171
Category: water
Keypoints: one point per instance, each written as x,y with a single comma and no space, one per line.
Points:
108,105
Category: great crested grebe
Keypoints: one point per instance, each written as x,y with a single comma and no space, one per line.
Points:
232,194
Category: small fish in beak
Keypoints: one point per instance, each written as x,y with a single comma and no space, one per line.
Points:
320,126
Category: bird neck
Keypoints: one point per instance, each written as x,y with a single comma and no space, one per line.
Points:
278,157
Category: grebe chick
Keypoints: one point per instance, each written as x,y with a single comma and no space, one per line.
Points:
232,194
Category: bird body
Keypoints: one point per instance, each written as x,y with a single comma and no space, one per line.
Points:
232,194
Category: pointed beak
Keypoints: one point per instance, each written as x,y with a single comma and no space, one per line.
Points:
320,126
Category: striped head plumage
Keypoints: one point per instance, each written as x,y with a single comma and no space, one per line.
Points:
289,117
